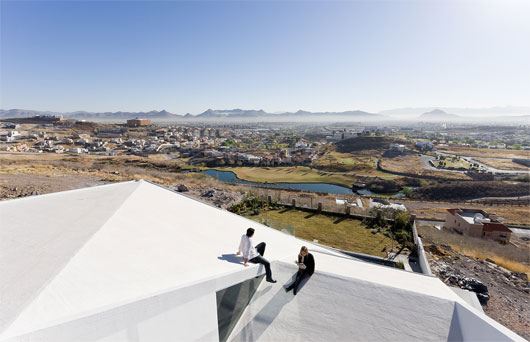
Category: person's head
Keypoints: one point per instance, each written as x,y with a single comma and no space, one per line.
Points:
304,251
250,232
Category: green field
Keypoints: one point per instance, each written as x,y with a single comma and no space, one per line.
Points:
299,174
346,234
290,174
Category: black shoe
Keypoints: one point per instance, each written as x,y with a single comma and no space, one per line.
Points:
287,289
271,281
294,291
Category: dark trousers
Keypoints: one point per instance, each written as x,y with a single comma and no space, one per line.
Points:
261,260
300,275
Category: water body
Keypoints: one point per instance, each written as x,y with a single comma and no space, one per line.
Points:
230,177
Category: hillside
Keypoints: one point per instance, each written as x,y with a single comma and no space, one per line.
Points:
470,190
82,115
367,143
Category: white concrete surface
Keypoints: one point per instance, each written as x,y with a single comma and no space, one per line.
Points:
73,252
336,308
469,296
330,307
136,262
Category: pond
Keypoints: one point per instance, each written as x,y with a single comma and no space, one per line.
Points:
230,177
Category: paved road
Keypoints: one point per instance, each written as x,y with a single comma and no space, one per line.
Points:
426,162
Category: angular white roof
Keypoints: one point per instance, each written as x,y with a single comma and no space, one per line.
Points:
71,255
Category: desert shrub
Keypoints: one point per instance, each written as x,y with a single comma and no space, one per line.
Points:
253,205
402,221
468,190
524,178
384,186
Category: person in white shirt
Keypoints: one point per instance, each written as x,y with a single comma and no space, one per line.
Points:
254,254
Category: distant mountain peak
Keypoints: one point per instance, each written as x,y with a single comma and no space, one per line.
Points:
438,114
436,111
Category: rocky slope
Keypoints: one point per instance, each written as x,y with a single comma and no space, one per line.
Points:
508,292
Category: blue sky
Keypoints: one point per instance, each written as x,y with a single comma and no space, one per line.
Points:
277,56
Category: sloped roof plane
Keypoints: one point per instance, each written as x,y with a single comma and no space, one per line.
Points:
133,260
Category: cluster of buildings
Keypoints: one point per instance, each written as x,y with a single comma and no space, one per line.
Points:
233,144
224,155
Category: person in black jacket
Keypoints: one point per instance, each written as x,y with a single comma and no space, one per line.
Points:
306,267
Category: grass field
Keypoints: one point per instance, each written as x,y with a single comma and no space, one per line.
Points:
502,164
484,152
290,174
346,160
345,234
412,164
300,174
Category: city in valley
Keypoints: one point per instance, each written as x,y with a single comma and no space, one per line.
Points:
464,185
241,171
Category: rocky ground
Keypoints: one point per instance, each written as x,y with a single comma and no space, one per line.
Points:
19,185
14,186
506,298
218,197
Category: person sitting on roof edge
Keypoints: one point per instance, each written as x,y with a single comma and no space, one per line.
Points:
254,254
306,267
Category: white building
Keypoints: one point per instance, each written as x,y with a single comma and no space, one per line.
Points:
398,148
136,262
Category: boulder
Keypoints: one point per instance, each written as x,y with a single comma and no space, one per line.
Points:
208,193
182,188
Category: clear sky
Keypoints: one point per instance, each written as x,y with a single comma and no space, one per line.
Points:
277,56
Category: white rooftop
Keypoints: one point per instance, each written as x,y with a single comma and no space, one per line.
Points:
100,262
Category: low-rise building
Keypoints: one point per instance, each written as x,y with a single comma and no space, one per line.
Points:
397,148
477,223
424,145
138,122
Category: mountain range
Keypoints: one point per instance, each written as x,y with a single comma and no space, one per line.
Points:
494,114
206,115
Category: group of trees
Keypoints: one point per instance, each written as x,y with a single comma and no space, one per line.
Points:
396,224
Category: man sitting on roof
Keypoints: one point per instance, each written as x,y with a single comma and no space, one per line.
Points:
254,254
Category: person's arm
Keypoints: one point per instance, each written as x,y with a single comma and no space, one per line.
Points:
310,263
245,249
241,245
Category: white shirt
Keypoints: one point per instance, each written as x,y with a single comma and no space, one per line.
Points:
247,247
